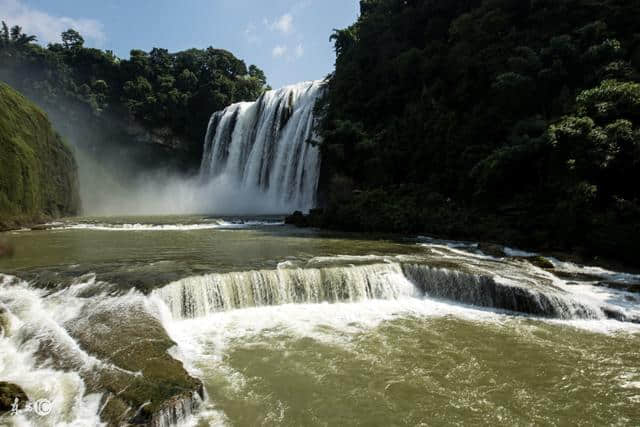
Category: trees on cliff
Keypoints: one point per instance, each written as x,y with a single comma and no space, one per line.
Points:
515,119
177,91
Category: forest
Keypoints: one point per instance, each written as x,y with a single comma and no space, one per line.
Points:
153,106
505,120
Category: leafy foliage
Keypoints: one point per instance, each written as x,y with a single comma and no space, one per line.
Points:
81,87
38,176
516,120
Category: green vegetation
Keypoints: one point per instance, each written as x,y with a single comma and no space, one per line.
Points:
155,105
507,120
38,173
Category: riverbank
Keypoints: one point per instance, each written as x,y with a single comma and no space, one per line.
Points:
462,225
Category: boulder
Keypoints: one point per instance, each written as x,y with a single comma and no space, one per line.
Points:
8,395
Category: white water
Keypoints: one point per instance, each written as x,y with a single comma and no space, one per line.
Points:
200,296
320,299
481,282
261,149
213,225
257,160
32,322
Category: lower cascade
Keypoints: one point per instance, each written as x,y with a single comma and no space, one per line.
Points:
203,295
104,351
263,147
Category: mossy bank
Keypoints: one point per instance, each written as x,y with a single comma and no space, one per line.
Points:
38,174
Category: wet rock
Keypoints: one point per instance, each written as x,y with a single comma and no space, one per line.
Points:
8,395
492,249
298,219
483,291
575,277
616,315
620,286
40,227
142,383
5,322
538,261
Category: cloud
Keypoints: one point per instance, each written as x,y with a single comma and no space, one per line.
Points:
299,50
251,35
48,27
279,51
284,24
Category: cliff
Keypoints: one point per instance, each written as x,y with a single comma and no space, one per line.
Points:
38,174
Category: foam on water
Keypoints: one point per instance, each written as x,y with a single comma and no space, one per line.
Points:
600,272
204,342
209,225
329,299
139,227
31,322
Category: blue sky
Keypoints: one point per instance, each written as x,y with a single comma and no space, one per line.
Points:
288,39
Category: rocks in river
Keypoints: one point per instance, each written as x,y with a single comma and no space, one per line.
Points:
142,383
313,219
8,395
40,227
538,261
485,291
5,322
298,219
122,351
621,286
492,249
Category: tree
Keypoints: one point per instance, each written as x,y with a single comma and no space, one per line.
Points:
72,40
257,74
187,81
15,37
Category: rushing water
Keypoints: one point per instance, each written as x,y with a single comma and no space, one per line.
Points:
262,149
299,327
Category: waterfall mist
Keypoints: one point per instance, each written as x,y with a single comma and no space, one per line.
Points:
257,160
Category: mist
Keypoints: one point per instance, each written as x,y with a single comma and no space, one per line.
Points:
167,193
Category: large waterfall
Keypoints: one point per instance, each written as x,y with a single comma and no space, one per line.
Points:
262,148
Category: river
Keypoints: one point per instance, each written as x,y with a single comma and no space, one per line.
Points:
116,319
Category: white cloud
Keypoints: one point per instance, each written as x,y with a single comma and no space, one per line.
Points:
279,51
48,27
299,50
251,35
284,24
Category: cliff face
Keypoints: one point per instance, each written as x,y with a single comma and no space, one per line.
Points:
38,174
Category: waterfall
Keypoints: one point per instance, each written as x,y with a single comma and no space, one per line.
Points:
200,296
262,148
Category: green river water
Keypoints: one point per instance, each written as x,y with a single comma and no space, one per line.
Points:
299,327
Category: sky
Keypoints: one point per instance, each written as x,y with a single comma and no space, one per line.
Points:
288,39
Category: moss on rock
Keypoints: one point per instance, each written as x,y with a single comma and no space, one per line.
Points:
38,174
